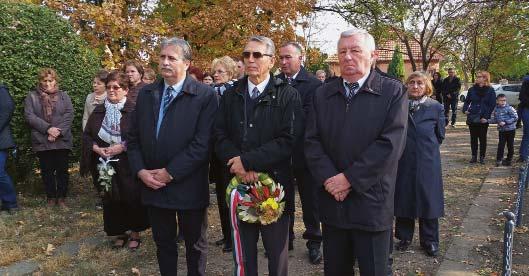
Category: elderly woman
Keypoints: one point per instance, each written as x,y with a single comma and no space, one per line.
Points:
224,71
49,113
419,185
104,137
479,104
134,71
97,96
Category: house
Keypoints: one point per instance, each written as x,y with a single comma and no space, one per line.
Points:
385,51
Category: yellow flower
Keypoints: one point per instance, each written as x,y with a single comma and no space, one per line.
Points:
270,202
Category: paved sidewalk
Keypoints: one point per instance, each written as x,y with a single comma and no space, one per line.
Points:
460,258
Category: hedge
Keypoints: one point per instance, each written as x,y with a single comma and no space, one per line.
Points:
34,37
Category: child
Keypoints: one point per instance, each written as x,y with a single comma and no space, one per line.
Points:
505,116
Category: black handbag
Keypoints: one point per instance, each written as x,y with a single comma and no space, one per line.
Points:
473,118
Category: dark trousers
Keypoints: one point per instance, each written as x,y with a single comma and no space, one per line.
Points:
8,197
54,171
506,137
341,247
164,227
275,242
428,230
309,205
218,171
450,104
478,132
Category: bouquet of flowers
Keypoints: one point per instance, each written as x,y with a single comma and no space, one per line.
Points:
106,171
260,202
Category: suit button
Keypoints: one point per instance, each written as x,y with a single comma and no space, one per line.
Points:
251,125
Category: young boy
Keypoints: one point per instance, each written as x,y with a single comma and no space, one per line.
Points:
505,116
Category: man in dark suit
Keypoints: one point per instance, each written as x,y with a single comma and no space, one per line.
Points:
290,58
255,131
451,86
168,150
354,138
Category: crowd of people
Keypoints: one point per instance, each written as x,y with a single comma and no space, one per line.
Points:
363,150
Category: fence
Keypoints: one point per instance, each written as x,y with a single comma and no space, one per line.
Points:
514,220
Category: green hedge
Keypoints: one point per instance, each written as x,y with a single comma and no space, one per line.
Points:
33,37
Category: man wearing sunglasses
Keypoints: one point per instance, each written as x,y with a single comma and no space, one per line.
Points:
255,132
354,138
290,59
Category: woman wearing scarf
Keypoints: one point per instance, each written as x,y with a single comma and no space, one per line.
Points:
479,104
224,71
97,96
419,185
104,139
49,113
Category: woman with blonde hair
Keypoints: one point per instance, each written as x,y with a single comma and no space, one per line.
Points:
49,113
479,104
419,185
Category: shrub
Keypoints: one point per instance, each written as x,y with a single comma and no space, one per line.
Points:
33,37
396,67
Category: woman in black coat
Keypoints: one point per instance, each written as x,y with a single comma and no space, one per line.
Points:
479,104
419,185
104,136
437,83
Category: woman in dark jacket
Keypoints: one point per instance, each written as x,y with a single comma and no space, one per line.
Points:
419,185
134,71
437,83
104,137
479,104
8,197
49,113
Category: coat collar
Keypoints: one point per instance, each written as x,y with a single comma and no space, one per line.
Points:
303,75
270,87
372,85
188,86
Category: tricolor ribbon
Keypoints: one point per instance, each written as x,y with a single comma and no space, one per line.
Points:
238,256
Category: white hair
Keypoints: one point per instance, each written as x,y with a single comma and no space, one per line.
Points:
369,41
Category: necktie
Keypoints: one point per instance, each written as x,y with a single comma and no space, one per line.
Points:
167,97
352,88
289,80
255,93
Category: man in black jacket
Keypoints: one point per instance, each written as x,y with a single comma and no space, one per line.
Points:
290,58
8,197
451,86
354,138
168,149
255,131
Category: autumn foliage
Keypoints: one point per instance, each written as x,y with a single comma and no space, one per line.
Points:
132,28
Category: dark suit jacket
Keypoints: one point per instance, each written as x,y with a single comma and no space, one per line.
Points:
306,85
364,140
182,146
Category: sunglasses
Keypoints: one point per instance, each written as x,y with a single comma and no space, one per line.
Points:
256,55
113,87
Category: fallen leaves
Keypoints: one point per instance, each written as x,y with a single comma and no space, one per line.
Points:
49,249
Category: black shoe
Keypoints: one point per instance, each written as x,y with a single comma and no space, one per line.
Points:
473,160
498,163
227,247
482,160
315,256
290,245
219,242
431,250
403,245
506,162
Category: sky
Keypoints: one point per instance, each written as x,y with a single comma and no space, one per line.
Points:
328,27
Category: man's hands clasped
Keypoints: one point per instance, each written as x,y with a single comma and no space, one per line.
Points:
236,167
155,179
338,186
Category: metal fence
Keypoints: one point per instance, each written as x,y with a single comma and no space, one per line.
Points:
514,219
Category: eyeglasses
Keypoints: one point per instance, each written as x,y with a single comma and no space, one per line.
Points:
220,72
113,87
256,55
